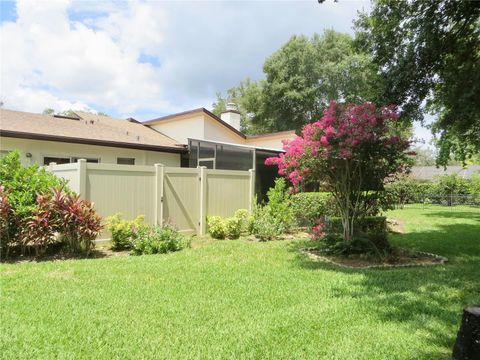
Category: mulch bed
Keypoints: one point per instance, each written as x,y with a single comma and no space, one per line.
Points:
401,259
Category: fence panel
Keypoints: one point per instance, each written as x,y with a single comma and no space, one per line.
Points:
183,197
227,191
68,172
120,188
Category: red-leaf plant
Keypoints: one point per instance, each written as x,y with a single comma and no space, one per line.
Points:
74,219
352,149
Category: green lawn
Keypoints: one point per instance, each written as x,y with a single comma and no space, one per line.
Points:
239,299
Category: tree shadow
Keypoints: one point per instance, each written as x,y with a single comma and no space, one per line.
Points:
428,299
52,256
452,214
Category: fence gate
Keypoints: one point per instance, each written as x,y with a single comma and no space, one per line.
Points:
180,201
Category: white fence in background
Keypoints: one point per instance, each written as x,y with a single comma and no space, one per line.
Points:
183,197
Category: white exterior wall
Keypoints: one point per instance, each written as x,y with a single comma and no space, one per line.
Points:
183,129
217,132
108,155
269,142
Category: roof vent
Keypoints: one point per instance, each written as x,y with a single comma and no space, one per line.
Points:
66,117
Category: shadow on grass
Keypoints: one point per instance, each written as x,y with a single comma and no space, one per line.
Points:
52,256
428,299
452,214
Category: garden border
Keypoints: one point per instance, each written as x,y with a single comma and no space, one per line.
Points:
441,260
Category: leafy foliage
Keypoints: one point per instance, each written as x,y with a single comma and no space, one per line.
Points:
308,207
428,51
230,228
158,240
20,187
352,149
301,78
124,232
74,219
277,216
216,227
233,227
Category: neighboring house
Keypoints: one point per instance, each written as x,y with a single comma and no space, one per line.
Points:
428,173
44,139
189,139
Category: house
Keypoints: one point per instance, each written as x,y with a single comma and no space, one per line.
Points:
44,139
217,143
188,139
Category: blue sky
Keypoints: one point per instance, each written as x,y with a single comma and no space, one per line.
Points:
147,59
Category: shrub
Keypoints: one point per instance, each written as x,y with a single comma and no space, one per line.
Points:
264,225
245,219
233,227
158,240
21,185
124,232
368,224
474,186
280,204
216,227
74,219
310,206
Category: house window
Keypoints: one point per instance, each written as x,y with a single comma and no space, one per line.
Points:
125,161
58,160
66,160
89,160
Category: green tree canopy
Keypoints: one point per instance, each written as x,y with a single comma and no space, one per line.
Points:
301,78
428,56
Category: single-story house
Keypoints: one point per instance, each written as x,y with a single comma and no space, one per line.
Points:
44,139
188,139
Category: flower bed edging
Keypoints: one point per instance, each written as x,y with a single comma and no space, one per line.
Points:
438,260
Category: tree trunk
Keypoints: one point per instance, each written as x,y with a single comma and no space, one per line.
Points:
467,346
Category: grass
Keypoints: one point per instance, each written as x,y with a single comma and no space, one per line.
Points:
245,300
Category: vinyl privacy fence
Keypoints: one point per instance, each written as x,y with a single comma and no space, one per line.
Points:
183,197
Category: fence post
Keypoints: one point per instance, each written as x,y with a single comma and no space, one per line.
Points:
252,190
202,226
82,178
158,193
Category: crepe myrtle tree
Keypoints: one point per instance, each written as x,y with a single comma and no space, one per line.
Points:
352,149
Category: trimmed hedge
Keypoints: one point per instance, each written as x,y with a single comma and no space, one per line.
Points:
366,225
308,207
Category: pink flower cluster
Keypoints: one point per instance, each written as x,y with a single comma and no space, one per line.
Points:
339,135
317,231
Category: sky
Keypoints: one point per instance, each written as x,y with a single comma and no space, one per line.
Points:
147,59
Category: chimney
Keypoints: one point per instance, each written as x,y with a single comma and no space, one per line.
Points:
231,116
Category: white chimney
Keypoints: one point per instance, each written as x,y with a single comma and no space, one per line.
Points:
231,116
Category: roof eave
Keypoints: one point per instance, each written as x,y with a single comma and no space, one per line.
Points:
67,139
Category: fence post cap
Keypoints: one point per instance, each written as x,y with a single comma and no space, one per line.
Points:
82,160
158,164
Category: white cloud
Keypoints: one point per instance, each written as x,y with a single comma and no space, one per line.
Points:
46,53
64,54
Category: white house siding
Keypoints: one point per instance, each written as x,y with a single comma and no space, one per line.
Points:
217,132
183,129
40,148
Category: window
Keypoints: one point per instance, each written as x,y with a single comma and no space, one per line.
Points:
66,160
58,160
89,160
125,161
